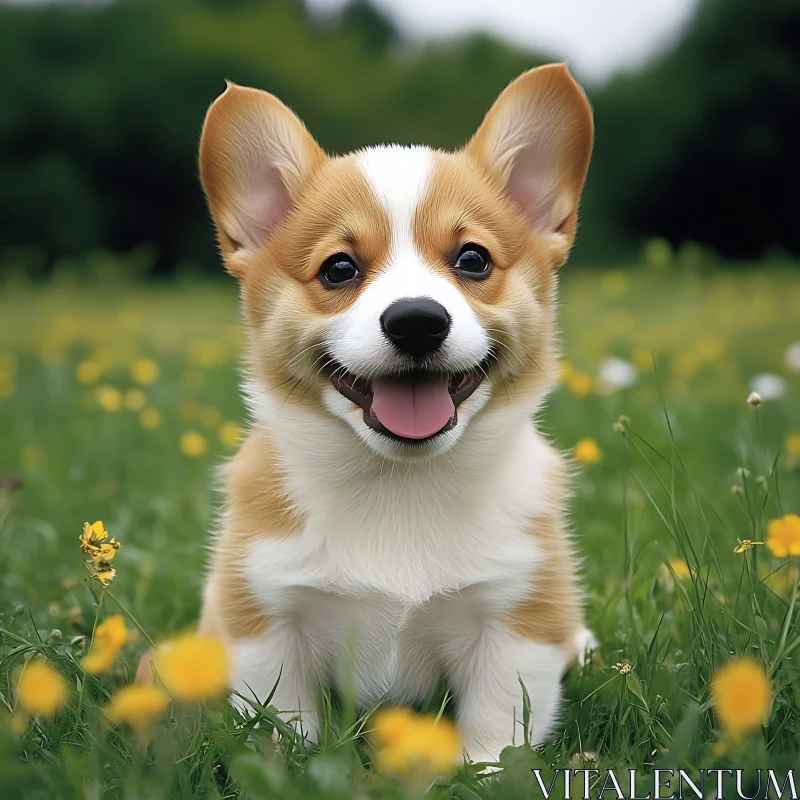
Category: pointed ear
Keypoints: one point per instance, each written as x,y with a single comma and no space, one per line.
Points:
255,155
537,141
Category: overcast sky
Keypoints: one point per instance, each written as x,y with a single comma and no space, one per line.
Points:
597,37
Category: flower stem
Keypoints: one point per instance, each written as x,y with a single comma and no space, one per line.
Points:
130,617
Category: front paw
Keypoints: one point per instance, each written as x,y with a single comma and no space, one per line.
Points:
585,644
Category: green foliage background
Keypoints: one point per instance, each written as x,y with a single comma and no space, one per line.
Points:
101,109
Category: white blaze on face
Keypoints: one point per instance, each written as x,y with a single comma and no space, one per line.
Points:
399,178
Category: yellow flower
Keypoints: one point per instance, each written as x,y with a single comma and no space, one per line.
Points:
193,667
150,418
566,371
89,371
587,451
408,742
680,568
206,353
135,400
138,705
615,283
230,434
193,444
41,690
210,416
745,545
9,364
579,384
642,359
783,536
686,365
741,692
189,410
101,553
144,371
109,638
92,536
109,398
793,446
32,456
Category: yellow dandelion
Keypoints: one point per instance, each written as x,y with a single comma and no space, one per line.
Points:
135,400
642,359
783,536
193,667
193,444
9,364
92,535
150,418
40,690
745,545
189,410
210,416
32,457
579,384
89,371
207,353
587,451
686,365
230,434
566,370
741,693
101,553
615,283
138,705
408,742
144,371
793,448
680,568
109,638
109,398
193,378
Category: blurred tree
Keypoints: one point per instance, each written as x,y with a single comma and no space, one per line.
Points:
702,144
102,107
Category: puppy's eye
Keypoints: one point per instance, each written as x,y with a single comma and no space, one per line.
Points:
473,262
337,270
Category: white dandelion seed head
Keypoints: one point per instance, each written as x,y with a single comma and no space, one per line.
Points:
792,356
768,386
616,373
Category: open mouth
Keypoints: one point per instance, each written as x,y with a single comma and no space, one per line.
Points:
412,407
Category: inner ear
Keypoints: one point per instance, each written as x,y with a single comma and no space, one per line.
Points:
269,206
537,141
255,155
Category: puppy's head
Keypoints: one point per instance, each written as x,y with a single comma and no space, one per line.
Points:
401,291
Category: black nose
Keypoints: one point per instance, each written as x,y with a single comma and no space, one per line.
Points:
416,326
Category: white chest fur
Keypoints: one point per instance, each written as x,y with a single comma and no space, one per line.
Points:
394,562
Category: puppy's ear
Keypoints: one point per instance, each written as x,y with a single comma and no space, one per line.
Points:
255,155
537,140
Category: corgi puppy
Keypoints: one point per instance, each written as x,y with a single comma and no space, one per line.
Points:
394,517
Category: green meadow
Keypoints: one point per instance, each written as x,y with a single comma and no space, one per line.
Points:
118,400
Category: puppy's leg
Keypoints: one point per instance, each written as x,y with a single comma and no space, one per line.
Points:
486,673
279,660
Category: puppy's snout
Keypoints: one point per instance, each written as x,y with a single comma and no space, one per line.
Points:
417,326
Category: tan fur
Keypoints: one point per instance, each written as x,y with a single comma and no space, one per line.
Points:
552,613
258,505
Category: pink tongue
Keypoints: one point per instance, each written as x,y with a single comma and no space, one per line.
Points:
412,410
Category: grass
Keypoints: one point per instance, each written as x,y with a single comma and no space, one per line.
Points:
665,496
